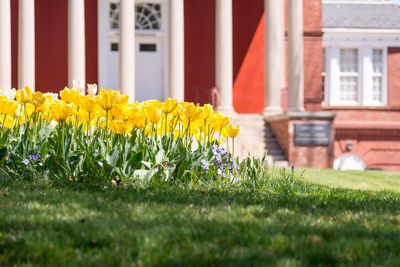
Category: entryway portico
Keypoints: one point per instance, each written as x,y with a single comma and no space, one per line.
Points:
134,50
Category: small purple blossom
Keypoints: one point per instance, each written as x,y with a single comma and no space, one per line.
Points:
25,161
34,157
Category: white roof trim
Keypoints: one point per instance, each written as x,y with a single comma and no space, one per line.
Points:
361,31
369,2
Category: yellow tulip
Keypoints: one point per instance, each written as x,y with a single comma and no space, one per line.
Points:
170,105
230,131
107,99
208,111
88,103
24,95
119,112
7,107
191,111
119,127
152,113
38,99
69,95
219,121
123,100
61,111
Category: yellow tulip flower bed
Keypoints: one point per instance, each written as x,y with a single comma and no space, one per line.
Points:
103,138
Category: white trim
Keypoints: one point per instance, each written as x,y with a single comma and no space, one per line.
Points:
369,2
361,31
105,35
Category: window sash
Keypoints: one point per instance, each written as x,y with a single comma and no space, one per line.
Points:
367,93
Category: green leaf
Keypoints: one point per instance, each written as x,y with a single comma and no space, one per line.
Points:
3,153
4,175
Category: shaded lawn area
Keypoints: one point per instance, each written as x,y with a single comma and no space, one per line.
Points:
285,223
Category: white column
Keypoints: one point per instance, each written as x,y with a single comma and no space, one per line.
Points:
296,56
127,48
177,51
26,44
5,44
224,50
76,41
274,55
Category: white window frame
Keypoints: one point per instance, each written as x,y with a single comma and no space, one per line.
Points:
365,43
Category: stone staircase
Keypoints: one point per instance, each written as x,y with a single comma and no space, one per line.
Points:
257,138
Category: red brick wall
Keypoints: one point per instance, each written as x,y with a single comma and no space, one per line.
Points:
300,156
379,148
374,134
394,77
313,55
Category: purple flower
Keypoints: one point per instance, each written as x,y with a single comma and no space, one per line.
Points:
34,157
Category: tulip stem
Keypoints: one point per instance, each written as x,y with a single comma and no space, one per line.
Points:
4,121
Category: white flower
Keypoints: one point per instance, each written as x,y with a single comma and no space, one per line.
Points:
53,95
92,89
80,86
12,93
9,93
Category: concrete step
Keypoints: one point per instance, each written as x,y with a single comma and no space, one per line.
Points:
256,138
281,164
279,158
275,152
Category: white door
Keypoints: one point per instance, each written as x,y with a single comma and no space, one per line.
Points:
149,66
150,55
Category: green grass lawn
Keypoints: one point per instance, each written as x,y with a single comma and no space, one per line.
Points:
285,223
369,180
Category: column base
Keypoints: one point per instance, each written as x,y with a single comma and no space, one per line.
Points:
270,111
296,110
226,110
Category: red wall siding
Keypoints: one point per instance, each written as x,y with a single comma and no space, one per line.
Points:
14,43
199,50
91,41
394,76
51,41
248,56
51,44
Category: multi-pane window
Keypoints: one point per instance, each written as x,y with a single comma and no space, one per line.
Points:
349,75
355,76
377,75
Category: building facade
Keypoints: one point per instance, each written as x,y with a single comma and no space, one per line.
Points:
308,62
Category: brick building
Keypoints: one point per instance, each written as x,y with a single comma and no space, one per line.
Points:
323,73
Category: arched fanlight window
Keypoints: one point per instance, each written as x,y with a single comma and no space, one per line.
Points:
148,16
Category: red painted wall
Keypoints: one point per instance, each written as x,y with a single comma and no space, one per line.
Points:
51,44
91,41
14,43
248,56
199,50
